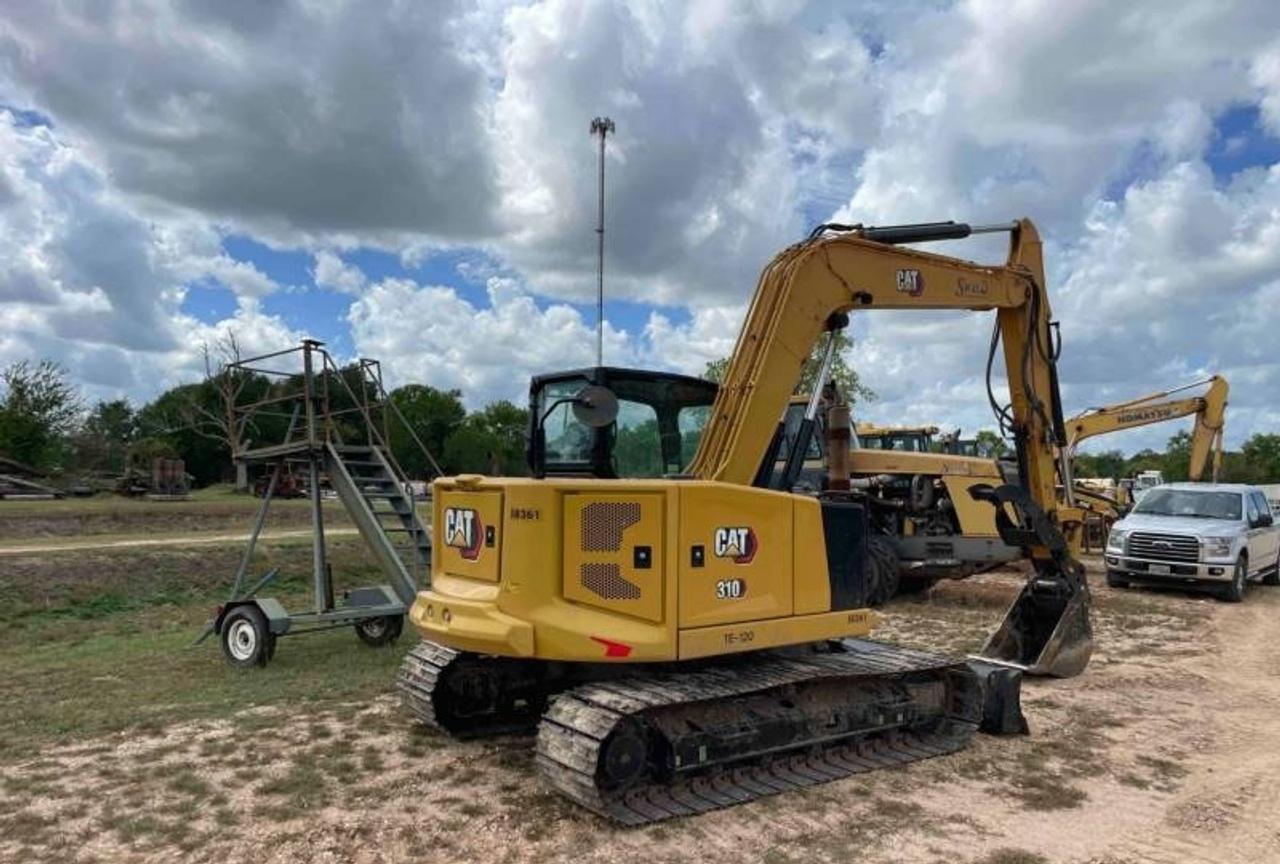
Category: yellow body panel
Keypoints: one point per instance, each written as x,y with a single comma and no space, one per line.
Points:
468,541
811,588
777,590
753,635
746,542
613,556
976,518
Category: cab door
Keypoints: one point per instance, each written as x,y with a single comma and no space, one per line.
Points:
1268,535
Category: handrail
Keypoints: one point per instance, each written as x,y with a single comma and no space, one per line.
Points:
372,401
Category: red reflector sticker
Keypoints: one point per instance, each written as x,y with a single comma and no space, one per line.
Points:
613,649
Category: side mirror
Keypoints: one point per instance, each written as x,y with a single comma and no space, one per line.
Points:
595,406
1264,520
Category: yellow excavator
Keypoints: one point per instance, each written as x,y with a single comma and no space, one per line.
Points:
1209,409
694,640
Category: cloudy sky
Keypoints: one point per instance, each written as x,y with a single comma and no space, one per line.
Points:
416,183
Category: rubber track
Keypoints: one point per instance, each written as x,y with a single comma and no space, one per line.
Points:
579,720
418,675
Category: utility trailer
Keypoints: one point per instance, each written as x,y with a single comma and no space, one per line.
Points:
325,422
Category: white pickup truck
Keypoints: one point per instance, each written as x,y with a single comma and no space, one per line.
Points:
1217,534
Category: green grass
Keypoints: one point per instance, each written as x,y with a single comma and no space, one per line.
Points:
86,658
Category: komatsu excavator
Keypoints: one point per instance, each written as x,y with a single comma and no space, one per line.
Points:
1209,409
694,640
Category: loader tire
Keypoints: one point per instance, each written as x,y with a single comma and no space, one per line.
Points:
882,571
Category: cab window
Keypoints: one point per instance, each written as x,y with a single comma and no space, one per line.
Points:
568,441
690,422
638,449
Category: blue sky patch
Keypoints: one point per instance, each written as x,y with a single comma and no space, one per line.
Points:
209,302
1240,141
26,117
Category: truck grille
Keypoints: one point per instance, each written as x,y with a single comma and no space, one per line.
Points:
1164,547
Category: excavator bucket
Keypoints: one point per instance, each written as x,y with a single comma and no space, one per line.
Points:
1046,631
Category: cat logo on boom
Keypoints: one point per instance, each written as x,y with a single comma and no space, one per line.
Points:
737,544
463,531
910,282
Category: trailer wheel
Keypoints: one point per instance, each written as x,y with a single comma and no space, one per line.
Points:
246,639
380,631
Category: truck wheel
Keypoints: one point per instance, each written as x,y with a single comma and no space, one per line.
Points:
882,571
380,631
246,639
1115,580
1234,592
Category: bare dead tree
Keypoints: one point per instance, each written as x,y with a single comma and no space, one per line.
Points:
221,422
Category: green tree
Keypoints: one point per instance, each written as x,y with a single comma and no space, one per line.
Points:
845,377
1109,464
990,445
715,369
489,441
102,443
1177,457
166,422
38,408
1262,457
434,415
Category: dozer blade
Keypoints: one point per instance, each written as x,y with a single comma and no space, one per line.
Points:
1046,631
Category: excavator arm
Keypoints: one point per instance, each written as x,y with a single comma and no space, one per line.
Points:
1206,438
812,287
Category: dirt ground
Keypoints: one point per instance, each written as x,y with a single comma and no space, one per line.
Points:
1166,750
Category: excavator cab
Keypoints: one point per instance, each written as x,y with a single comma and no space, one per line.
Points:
654,432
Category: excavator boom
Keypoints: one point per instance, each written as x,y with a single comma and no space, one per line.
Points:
1206,438
811,287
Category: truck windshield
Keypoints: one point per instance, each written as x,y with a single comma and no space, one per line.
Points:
1186,502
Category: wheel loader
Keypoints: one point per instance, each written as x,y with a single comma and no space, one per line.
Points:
696,639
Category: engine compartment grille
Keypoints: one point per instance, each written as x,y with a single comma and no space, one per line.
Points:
1164,547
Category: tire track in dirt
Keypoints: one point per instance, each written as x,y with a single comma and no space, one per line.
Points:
1225,811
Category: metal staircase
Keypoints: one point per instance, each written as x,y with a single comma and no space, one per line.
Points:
377,499
335,421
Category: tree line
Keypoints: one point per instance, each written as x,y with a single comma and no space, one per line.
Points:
1257,461
46,424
